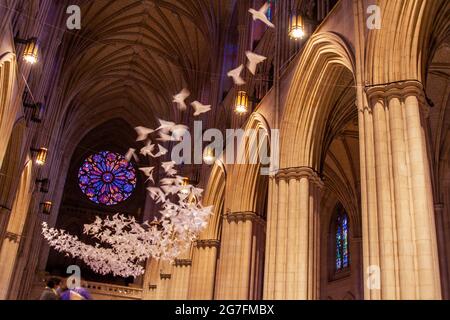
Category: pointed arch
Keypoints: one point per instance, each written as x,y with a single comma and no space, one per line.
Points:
323,76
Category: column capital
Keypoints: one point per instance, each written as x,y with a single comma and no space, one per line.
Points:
183,262
400,90
207,243
243,216
298,173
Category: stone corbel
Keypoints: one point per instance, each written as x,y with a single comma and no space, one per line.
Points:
14,237
165,276
207,243
183,263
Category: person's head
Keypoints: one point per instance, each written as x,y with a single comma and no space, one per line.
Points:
53,283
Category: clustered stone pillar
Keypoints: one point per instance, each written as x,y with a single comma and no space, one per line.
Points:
203,274
399,234
240,268
292,269
180,279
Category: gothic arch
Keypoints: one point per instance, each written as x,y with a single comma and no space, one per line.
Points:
326,59
246,187
406,26
10,170
7,85
10,245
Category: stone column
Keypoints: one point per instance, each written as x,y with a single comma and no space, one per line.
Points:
241,257
180,279
203,270
292,266
399,232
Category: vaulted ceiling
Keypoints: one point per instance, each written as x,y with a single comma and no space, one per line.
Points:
136,54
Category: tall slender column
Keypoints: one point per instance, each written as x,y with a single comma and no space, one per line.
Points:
292,265
242,257
203,270
180,279
398,216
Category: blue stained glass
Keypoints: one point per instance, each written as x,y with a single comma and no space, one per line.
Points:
107,178
342,260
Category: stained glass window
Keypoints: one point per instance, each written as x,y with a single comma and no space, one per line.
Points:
271,9
342,259
107,178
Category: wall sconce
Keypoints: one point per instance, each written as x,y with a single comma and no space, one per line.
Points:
241,103
46,207
44,185
41,155
296,27
38,111
209,156
30,53
185,186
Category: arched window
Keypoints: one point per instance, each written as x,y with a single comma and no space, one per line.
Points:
341,240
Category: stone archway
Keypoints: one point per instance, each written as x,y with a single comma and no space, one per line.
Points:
317,109
10,244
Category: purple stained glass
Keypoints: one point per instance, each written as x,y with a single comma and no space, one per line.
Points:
107,178
342,260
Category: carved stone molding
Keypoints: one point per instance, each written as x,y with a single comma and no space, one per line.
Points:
183,263
400,90
243,216
152,286
165,276
298,173
207,243
14,237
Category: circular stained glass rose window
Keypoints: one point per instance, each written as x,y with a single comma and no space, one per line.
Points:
107,178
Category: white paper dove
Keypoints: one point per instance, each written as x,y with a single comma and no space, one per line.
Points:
148,171
131,153
253,60
165,126
236,75
148,149
200,108
143,133
180,98
120,245
261,14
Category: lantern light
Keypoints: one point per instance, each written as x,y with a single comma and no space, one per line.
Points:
30,53
296,27
41,155
241,104
185,186
209,156
46,207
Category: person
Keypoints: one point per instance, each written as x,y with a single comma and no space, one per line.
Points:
76,293
50,292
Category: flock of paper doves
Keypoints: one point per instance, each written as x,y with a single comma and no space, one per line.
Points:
127,243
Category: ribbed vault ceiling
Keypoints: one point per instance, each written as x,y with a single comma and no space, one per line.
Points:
138,53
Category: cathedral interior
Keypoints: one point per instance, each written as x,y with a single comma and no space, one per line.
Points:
349,100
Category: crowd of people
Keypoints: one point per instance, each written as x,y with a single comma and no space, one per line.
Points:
55,290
